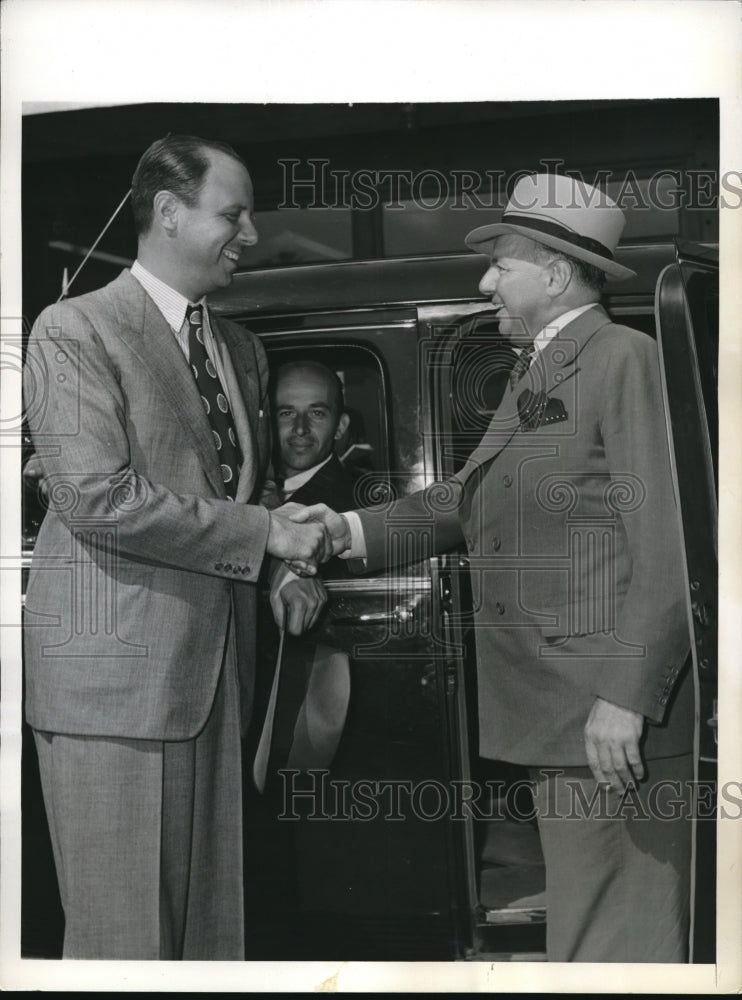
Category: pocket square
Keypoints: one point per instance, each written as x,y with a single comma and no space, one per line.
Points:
536,409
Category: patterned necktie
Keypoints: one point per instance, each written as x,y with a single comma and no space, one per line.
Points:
521,365
215,402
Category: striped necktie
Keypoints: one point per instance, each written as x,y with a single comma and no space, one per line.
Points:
215,402
521,365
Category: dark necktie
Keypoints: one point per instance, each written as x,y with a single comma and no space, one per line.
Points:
215,402
521,364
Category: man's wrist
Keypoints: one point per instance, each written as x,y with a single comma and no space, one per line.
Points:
357,543
347,537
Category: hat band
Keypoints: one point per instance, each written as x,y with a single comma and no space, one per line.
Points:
554,229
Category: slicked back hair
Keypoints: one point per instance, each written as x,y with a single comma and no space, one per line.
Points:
177,163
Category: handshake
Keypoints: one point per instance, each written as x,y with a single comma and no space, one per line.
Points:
306,537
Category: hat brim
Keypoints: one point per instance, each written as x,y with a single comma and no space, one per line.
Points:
483,238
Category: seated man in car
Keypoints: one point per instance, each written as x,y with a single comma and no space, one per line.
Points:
310,416
303,686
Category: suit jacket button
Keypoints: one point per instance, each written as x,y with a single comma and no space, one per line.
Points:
217,566
227,567
496,543
245,570
663,700
507,479
500,608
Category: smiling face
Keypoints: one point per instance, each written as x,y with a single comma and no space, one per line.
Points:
209,236
307,418
518,287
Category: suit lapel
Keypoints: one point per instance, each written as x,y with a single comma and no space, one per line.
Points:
144,329
551,367
319,489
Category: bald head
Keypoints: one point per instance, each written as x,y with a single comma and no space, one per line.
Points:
314,370
309,412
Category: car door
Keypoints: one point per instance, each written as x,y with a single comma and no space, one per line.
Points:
376,856
687,317
502,871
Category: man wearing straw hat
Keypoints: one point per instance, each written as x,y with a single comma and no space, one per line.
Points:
569,516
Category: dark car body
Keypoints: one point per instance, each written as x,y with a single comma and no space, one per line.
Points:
409,874
379,857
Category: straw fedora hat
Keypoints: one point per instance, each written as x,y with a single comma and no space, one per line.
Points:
562,213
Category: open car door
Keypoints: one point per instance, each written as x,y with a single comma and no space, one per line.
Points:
687,318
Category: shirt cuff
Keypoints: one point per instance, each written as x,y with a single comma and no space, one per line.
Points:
357,548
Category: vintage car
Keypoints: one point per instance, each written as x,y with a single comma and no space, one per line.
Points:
379,856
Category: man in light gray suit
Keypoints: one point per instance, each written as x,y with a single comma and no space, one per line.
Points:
150,419
568,512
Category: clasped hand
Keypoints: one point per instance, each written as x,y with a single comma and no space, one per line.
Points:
306,537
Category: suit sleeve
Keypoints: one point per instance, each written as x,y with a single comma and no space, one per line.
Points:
78,421
652,614
413,528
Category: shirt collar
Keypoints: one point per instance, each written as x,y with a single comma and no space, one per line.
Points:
172,304
293,483
543,337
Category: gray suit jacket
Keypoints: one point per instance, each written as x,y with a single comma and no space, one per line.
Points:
143,570
575,550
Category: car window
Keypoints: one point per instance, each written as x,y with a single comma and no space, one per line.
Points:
433,221
435,226
299,236
364,448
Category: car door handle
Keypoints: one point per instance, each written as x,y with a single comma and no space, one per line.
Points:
401,613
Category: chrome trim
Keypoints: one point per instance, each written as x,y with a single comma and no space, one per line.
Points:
401,613
431,311
519,915
407,324
379,585
623,250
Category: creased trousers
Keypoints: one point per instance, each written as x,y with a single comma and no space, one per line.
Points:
617,889
147,839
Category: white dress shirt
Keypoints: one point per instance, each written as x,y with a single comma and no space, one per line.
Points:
292,484
543,337
173,307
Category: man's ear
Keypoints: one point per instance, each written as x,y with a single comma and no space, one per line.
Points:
560,275
342,427
165,211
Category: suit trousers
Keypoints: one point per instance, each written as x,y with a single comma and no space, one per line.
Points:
618,868
147,839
